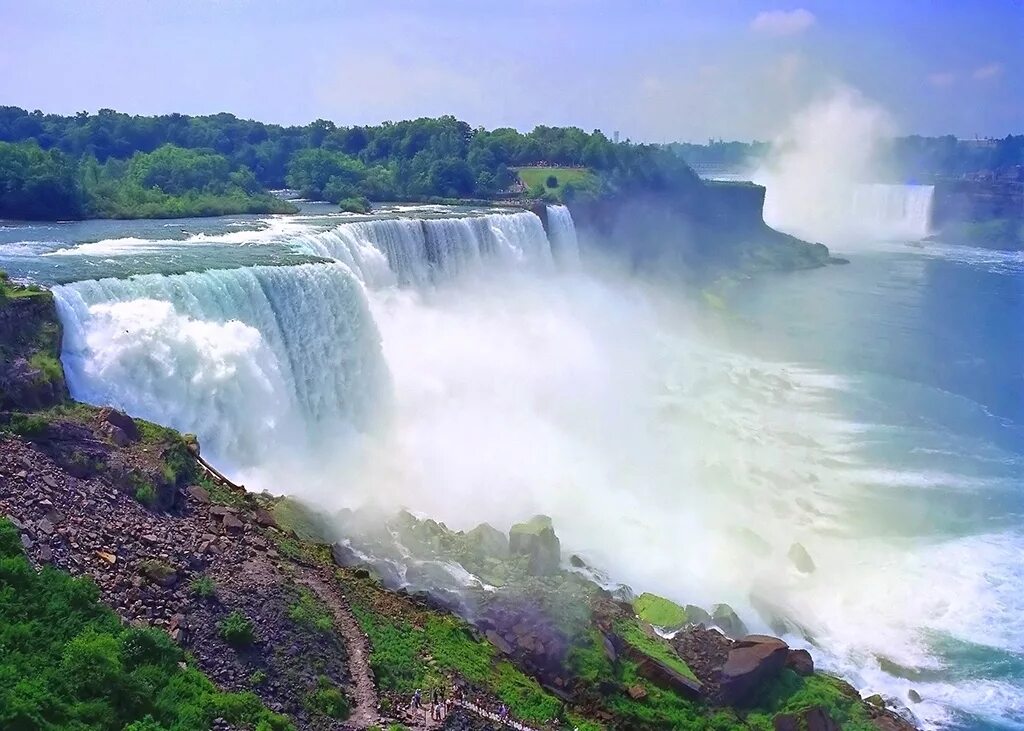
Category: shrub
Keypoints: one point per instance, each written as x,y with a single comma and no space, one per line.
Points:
327,700
236,630
551,182
354,205
309,612
145,493
203,587
257,678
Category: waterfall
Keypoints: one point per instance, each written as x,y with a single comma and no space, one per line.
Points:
893,211
419,252
563,236
246,358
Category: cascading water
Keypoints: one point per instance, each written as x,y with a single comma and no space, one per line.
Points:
562,230
418,252
246,358
893,211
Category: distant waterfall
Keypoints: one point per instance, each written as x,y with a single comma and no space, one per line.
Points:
246,358
893,211
418,252
563,236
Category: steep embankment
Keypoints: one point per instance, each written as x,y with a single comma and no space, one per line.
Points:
717,228
251,587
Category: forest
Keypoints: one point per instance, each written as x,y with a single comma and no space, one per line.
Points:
116,165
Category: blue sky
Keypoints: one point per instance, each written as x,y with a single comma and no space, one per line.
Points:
658,71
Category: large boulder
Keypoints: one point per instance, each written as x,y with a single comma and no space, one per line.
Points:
725,618
486,541
121,422
753,661
536,540
659,611
815,718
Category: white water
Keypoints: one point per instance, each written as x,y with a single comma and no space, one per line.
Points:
902,212
564,243
492,393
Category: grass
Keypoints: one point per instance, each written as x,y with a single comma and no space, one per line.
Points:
653,647
587,658
49,367
9,290
536,177
308,612
67,662
791,693
659,611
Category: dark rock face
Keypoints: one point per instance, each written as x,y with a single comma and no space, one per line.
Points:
725,618
536,539
30,340
800,662
121,422
664,676
752,661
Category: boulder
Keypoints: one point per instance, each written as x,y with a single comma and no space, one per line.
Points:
666,677
913,696
723,617
536,539
486,541
753,661
498,641
344,556
800,662
696,615
801,559
265,518
199,494
232,524
659,611
637,692
120,420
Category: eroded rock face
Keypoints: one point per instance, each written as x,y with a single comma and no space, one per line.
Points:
752,661
536,539
813,719
30,340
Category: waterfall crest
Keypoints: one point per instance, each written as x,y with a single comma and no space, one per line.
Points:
893,211
243,357
562,230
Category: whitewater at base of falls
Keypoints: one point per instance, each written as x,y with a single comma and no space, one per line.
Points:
467,370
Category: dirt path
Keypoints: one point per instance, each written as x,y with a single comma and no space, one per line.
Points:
365,712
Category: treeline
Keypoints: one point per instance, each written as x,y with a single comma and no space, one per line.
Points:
103,164
913,158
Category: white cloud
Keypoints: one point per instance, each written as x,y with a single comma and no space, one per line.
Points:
988,71
783,22
942,79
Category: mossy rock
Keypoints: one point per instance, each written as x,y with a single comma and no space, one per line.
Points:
294,516
536,539
485,541
659,611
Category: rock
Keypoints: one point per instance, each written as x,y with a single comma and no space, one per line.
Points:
107,557
199,494
159,573
26,541
800,662
664,676
232,524
659,611
191,444
801,559
488,542
49,481
115,434
45,527
637,692
723,617
498,641
875,700
122,421
696,615
344,556
536,539
576,562
913,696
265,518
753,661
45,554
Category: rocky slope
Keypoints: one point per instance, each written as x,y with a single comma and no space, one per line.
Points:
335,621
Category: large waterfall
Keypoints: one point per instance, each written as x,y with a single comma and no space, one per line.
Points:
893,211
411,251
282,355
563,236
246,358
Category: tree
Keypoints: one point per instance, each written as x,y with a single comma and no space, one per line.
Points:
551,182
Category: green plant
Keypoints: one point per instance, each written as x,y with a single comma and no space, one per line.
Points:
236,630
145,493
654,647
27,425
327,700
203,587
309,612
257,678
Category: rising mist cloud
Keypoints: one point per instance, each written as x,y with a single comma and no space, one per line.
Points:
783,22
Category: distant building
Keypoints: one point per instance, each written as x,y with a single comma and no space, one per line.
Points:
616,135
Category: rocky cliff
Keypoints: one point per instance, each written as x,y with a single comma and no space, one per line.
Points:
712,230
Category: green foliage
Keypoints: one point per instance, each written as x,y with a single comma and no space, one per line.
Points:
655,647
551,181
113,164
68,662
355,205
309,612
791,693
26,425
524,697
203,587
559,184
396,656
659,611
327,700
145,493
48,366
588,660
236,630
451,646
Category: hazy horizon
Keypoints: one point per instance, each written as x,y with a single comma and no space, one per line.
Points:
657,73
